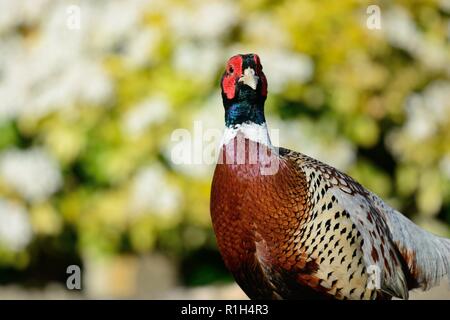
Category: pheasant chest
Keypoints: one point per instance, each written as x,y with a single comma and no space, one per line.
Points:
284,225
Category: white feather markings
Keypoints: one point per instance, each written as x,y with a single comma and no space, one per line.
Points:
252,131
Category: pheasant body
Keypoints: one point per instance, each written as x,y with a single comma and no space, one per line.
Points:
307,230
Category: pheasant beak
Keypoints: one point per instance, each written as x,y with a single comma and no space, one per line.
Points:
249,78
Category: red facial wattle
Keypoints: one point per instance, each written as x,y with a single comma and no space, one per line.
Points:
234,71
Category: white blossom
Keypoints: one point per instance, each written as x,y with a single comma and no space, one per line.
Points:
285,67
114,21
262,29
419,123
15,227
203,144
207,20
402,32
426,111
141,47
152,192
140,117
444,5
16,12
63,67
32,173
201,61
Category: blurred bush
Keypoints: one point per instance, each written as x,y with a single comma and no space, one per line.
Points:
86,116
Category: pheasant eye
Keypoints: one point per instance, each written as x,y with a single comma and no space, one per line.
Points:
230,69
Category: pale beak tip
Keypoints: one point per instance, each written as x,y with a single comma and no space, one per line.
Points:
249,78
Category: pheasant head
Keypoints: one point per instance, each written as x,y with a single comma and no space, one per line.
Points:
244,90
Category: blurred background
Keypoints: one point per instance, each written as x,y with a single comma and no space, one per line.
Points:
91,92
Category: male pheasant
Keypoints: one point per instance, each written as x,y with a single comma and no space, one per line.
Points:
291,227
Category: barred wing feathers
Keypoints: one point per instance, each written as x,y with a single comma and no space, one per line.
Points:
406,256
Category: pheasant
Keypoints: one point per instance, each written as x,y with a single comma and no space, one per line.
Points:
291,227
